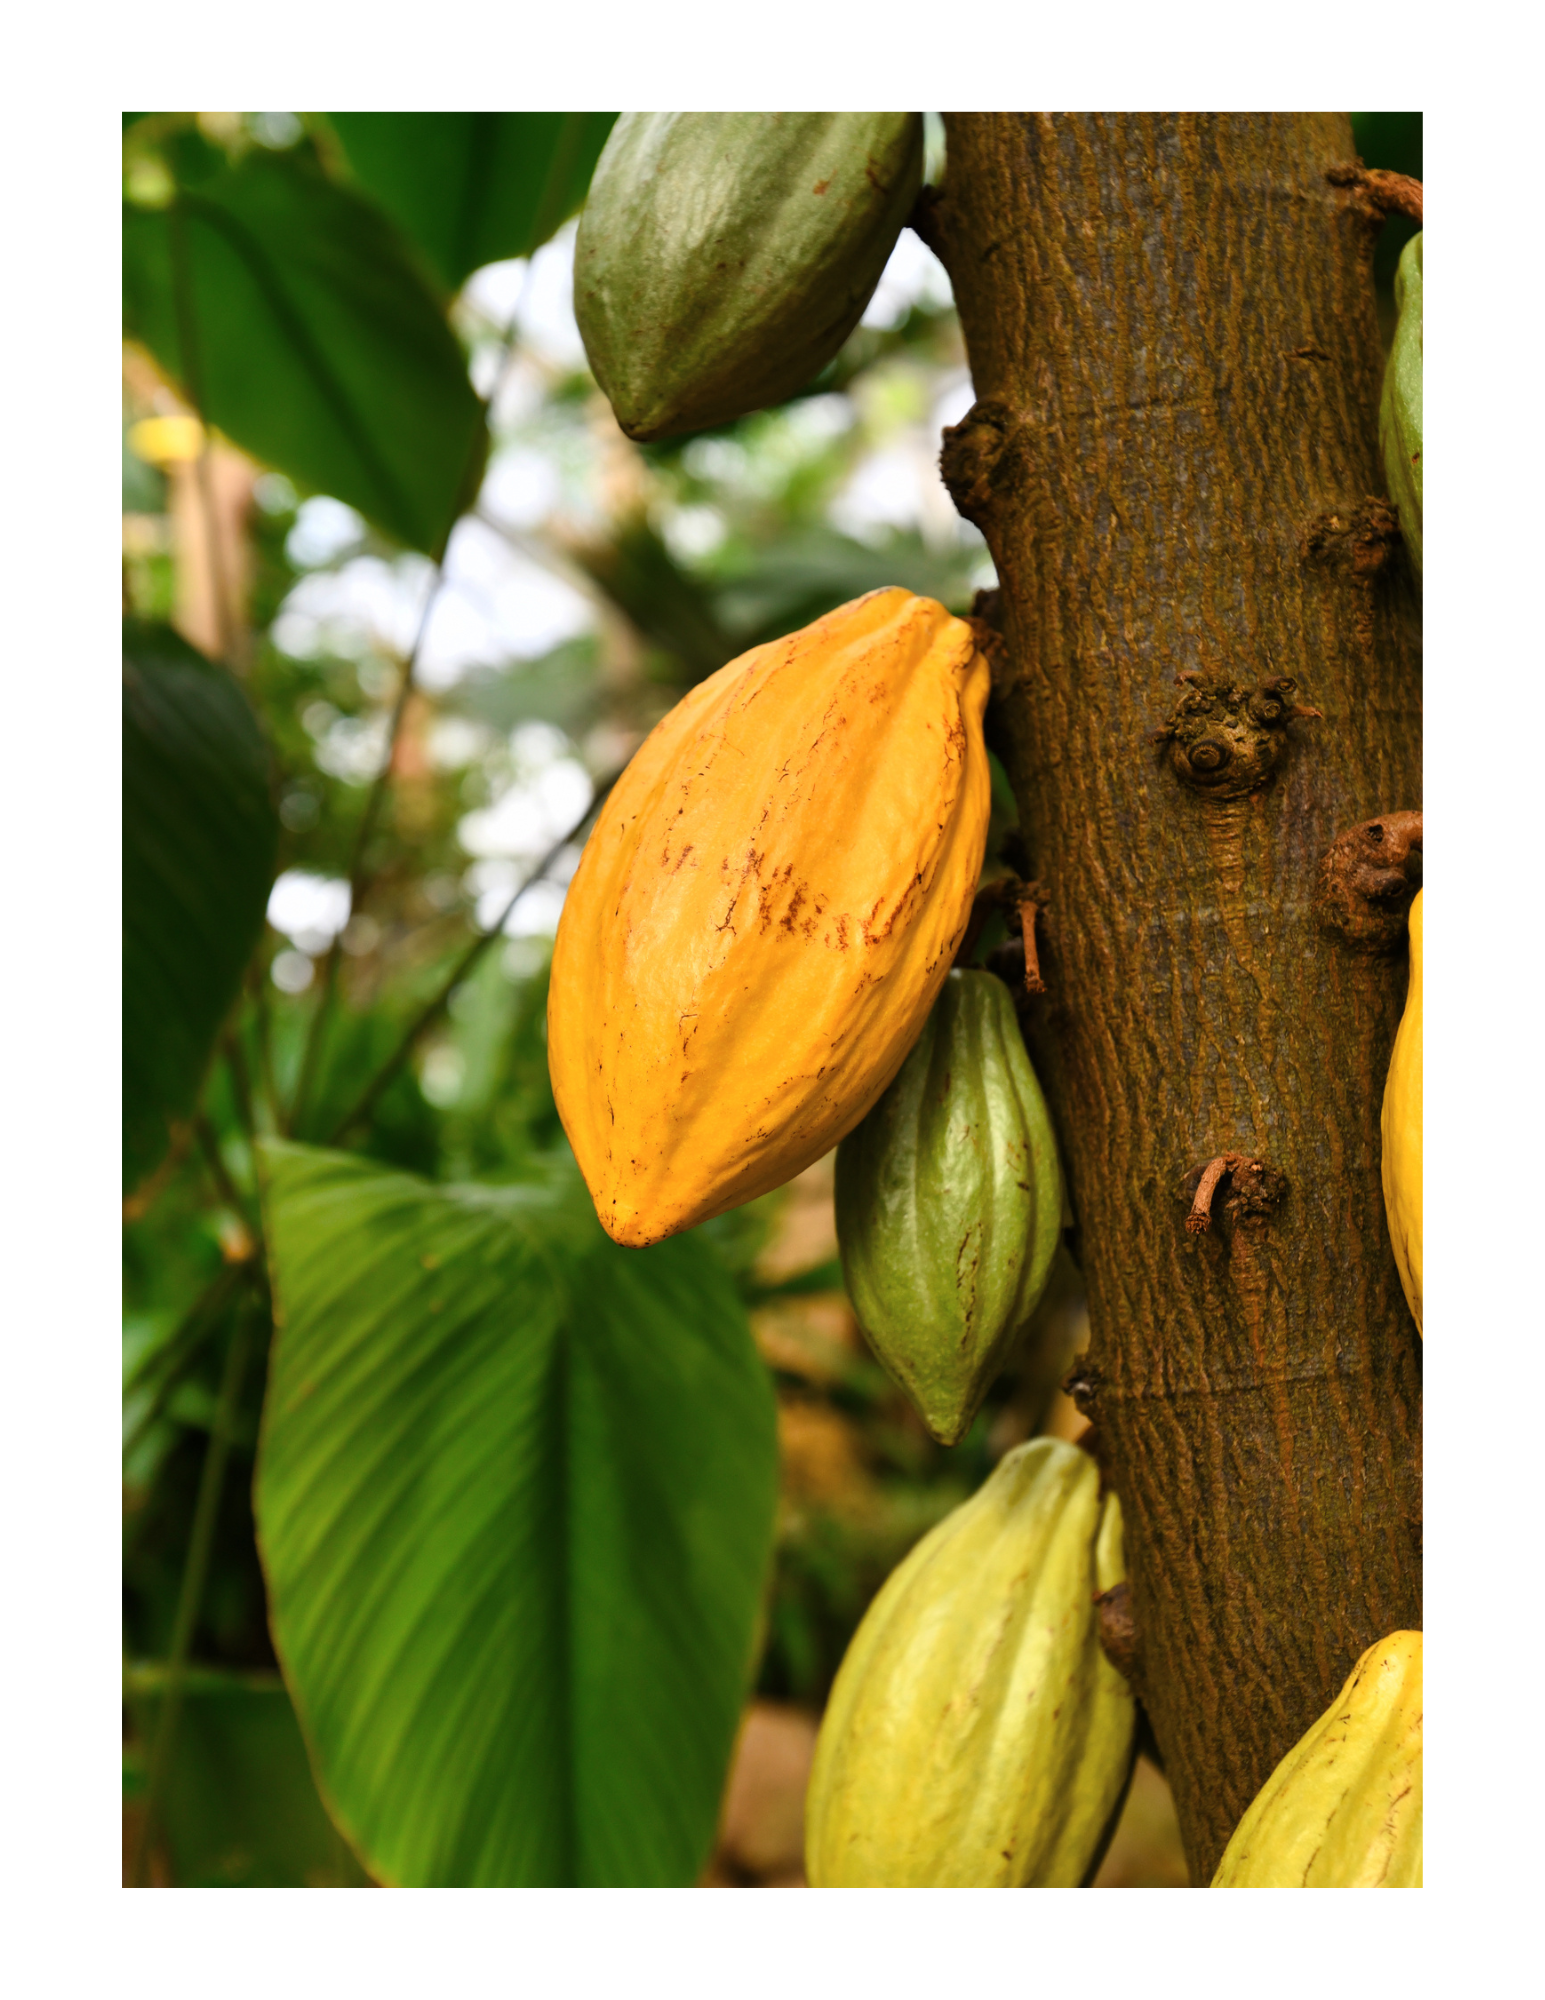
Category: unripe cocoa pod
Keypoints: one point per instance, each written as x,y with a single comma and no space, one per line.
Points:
949,1205
766,909
1401,1160
977,1736
1343,1810
723,257
1400,404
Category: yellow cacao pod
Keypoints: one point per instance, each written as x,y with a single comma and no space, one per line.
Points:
977,1736
1402,1131
766,909
1343,1810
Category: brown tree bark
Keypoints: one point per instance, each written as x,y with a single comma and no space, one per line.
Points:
1174,458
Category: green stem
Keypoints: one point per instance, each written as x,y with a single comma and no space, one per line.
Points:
225,1187
358,878
173,1361
241,1082
194,1576
265,1045
317,1031
432,1008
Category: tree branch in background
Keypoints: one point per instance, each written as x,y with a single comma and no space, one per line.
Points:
225,1187
359,879
431,1011
175,1359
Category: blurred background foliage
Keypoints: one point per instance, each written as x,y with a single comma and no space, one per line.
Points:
366,470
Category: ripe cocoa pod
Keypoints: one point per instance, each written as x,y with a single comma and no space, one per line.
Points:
1343,1810
977,1736
723,257
1401,1161
949,1205
766,909
1400,404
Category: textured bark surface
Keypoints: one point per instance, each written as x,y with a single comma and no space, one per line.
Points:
1174,458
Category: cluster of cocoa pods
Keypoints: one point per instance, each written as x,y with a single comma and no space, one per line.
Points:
754,964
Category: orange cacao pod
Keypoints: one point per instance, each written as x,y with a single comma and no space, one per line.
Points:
768,905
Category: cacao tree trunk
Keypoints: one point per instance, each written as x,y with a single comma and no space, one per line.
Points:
1174,458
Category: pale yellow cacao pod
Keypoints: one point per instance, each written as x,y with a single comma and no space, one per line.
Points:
1343,1810
976,1735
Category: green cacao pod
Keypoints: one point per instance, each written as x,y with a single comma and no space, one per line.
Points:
949,1205
977,1736
1400,405
1343,1810
723,257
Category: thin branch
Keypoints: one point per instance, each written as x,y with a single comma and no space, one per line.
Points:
316,1033
208,1305
225,609
176,1359
194,1576
1199,1220
359,879
1396,194
225,1187
1391,194
241,1083
1029,909
138,1204
433,1008
265,1047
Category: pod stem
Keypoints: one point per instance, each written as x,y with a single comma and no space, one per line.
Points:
1029,909
1008,894
1393,194
1199,1221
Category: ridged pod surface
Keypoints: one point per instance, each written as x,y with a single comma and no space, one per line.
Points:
1343,1810
1401,1159
949,1204
1400,404
976,1735
766,909
723,257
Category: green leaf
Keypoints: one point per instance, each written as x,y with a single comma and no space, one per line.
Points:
199,839
241,1810
474,187
803,575
298,322
515,1499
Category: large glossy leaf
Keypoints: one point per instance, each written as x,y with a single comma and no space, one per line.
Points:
199,840
515,1496
296,320
474,187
